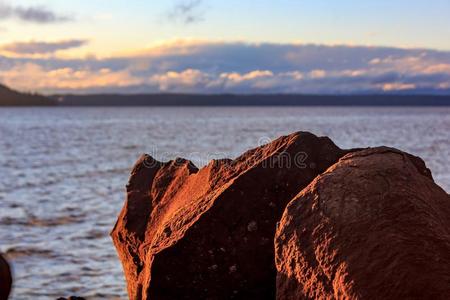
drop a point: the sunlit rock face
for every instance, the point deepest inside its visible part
(186, 233)
(373, 226)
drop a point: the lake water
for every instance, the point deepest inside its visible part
(63, 173)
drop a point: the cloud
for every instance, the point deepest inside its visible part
(187, 11)
(396, 86)
(236, 67)
(34, 47)
(32, 76)
(190, 79)
(33, 14)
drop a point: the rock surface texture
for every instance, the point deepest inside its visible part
(5, 279)
(186, 233)
(373, 226)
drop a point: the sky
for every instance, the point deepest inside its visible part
(212, 46)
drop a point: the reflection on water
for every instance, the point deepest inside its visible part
(63, 172)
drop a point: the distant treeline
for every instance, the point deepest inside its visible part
(252, 100)
(10, 97)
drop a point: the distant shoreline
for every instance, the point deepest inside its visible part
(250, 100)
(223, 100)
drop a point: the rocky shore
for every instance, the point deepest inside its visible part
(298, 218)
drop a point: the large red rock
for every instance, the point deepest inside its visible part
(185, 233)
(373, 226)
(5, 279)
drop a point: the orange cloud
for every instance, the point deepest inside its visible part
(396, 86)
(30, 76)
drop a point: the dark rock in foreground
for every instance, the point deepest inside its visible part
(186, 233)
(373, 226)
(5, 279)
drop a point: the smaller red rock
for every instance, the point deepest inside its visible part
(373, 226)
